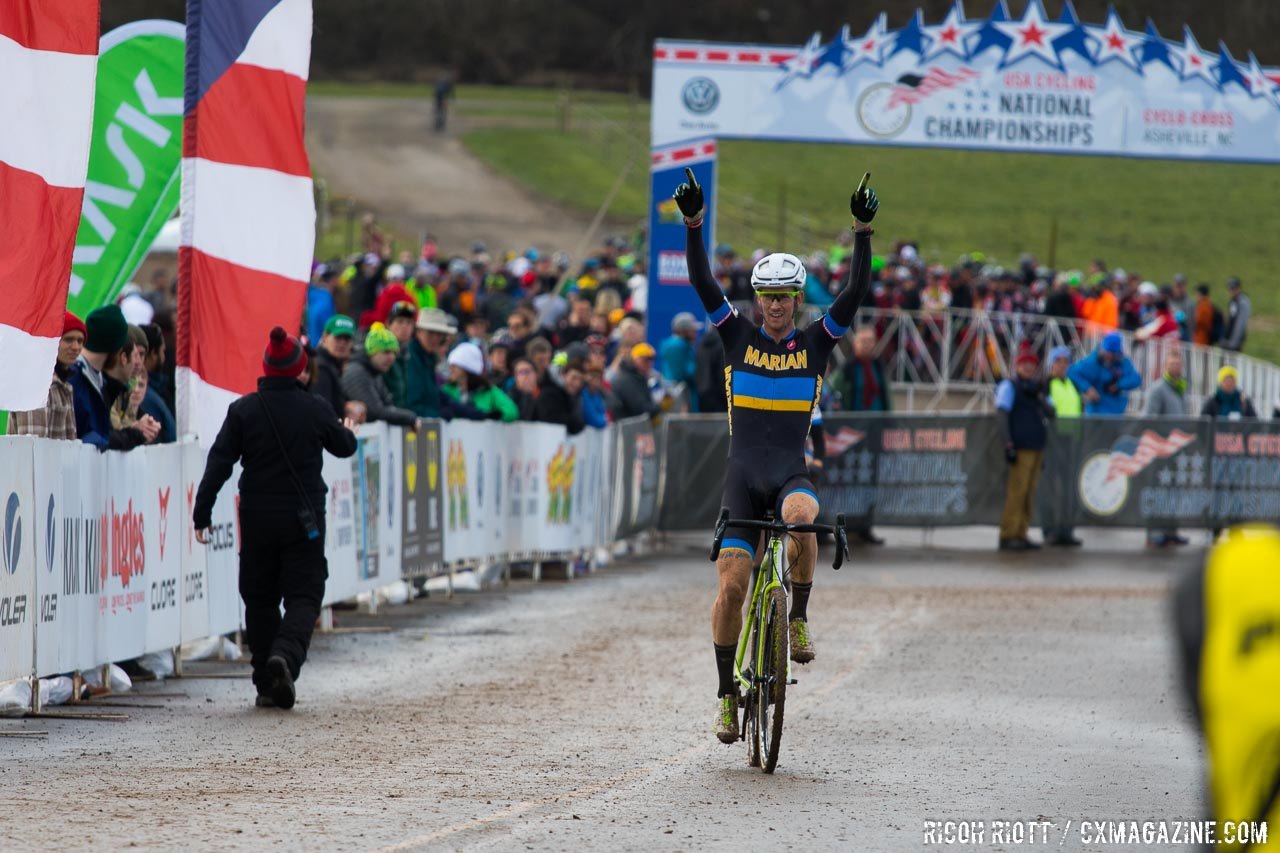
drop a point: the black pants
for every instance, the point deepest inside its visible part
(278, 563)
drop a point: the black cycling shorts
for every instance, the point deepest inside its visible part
(750, 494)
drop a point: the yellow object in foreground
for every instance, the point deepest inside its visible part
(1240, 675)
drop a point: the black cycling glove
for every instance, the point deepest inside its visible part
(688, 196)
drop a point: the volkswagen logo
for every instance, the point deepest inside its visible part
(701, 95)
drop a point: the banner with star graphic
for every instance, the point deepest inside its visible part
(1029, 84)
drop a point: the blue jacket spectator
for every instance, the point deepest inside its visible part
(1105, 377)
(595, 412)
(679, 359)
(320, 305)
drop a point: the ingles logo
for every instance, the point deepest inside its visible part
(12, 534)
(127, 554)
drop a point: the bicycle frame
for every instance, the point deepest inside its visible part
(770, 574)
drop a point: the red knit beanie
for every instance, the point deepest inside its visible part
(72, 323)
(284, 355)
(1026, 353)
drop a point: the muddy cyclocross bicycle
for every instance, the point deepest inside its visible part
(765, 675)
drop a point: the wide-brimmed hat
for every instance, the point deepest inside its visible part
(435, 320)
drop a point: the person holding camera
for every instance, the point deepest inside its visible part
(279, 434)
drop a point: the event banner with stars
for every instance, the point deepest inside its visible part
(1033, 83)
(939, 471)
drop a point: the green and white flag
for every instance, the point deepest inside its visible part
(134, 158)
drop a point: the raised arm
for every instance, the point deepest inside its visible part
(688, 198)
(863, 204)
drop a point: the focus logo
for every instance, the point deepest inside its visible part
(701, 95)
(50, 535)
(12, 533)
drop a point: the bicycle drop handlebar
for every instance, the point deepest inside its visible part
(778, 526)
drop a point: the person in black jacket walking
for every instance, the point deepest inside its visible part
(278, 434)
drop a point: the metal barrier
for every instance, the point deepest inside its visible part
(932, 355)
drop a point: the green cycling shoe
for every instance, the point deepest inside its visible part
(727, 718)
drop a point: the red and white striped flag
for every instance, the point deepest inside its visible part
(48, 62)
(248, 214)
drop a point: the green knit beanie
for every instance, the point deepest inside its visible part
(380, 339)
(105, 330)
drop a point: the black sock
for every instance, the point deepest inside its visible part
(800, 600)
(724, 666)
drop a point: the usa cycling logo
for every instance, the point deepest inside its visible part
(12, 534)
(701, 95)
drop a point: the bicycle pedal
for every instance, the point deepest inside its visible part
(792, 681)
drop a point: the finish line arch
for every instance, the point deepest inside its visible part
(993, 84)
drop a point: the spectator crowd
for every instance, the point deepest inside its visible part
(530, 337)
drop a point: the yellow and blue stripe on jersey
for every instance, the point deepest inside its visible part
(776, 394)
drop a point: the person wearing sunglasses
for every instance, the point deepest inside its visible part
(773, 379)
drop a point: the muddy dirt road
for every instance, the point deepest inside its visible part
(570, 716)
(382, 152)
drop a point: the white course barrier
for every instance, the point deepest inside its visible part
(100, 561)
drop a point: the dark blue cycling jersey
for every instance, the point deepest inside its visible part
(772, 386)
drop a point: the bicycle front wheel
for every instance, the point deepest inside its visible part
(770, 657)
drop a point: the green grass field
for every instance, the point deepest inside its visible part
(1157, 217)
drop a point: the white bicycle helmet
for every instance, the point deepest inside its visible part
(779, 271)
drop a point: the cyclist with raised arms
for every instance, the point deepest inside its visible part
(773, 378)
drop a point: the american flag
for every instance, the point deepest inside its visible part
(912, 88)
(1130, 455)
(842, 439)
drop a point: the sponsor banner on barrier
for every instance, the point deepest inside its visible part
(222, 555)
(933, 471)
(366, 475)
(1178, 472)
(1119, 468)
(429, 497)
(411, 492)
(161, 506)
(467, 520)
(195, 577)
(696, 449)
(638, 465)
(391, 513)
(1244, 475)
(66, 559)
(17, 562)
(122, 601)
(340, 520)
(928, 472)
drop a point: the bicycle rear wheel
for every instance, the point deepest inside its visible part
(770, 658)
